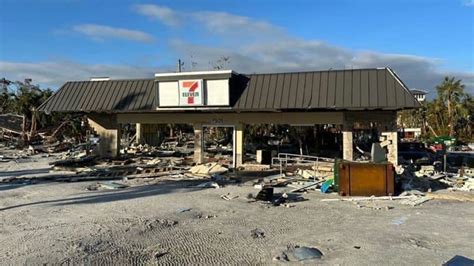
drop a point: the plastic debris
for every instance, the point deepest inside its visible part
(326, 185)
(181, 210)
(112, 185)
(303, 253)
(209, 184)
(459, 261)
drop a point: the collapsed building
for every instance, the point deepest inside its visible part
(351, 99)
(11, 126)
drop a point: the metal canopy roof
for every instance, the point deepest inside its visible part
(356, 89)
(416, 91)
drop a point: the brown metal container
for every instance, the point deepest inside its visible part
(366, 179)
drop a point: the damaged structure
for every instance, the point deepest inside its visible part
(350, 99)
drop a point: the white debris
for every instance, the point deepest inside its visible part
(208, 169)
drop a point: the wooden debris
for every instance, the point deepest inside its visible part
(457, 196)
(228, 197)
(369, 198)
(415, 201)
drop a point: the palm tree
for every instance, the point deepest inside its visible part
(450, 92)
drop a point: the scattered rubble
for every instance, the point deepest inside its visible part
(208, 169)
(266, 194)
(257, 233)
(298, 173)
(228, 197)
(415, 201)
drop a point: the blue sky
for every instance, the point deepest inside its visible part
(53, 41)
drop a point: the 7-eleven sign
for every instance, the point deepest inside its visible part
(190, 92)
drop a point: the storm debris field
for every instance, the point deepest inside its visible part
(209, 215)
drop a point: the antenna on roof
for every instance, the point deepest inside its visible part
(180, 64)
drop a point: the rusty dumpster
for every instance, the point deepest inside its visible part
(366, 179)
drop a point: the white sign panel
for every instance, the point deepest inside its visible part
(190, 92)
(217, 92)
(168, 93)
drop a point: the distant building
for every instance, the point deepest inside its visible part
(409, 133)
(420, 95)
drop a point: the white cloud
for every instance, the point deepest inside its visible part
(161, 13)
(216, 22)
(298, 55)
(469, 3)
(229, 24)
(56, 73)
(258, 46)
(101, 32)
(253, 46)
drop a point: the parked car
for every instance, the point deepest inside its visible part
(415, 152)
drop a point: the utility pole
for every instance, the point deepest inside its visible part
(179, 65)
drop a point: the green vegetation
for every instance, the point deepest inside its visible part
(23, 98)
(451, 113)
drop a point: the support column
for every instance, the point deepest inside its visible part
(108, 129)
(139, 133)
(388, 129)
(198, 144)
(148, 134)
(347, 138)
(347, 145)
(239, 151)
(391, 140)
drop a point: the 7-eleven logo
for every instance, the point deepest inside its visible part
(190, 92)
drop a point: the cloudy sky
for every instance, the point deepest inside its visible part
(52, 41)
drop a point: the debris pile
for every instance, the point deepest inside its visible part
(426, 179)
(208, 169)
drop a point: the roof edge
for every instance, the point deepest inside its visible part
(404, 86)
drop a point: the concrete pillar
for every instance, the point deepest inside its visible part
(239, 151)
(347, 145)
(139, 133)
(347, 138)
(388, 131)
(109, 132)
(391, 140)
(198, 144)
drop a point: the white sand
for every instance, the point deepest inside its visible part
(65, 223)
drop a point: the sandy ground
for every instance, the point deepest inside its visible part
(170, 222)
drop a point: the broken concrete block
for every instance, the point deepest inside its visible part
(385, 143)
(208, 169)
(266, 194)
